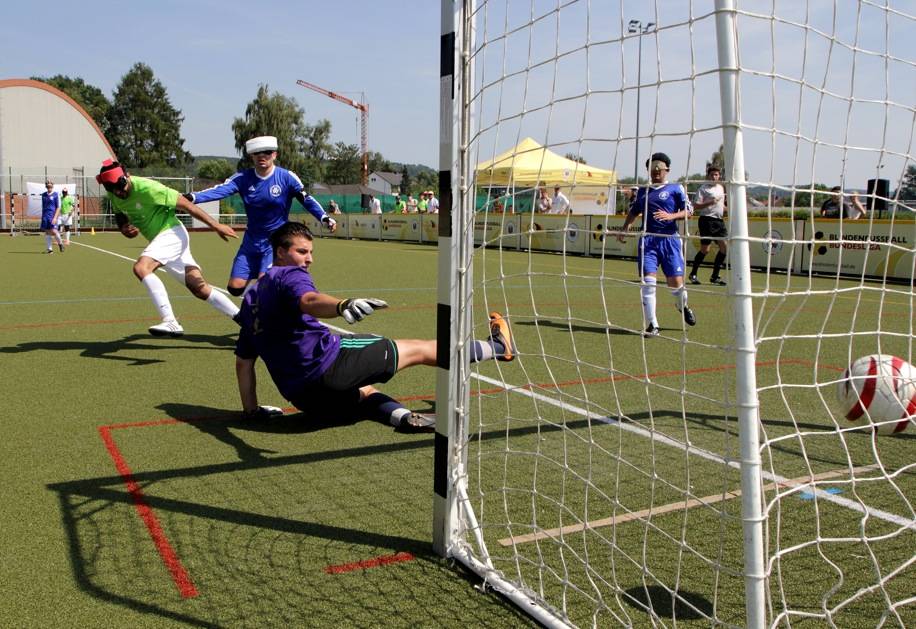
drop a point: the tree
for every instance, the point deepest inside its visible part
(575, 158)
(345, 164)
(405, 180)
(803, 199)
(215, 169)
(89, 97)
(718, 159)
(145, 128)
(908, 185)
(281, 117)
(317, 149)
(378, 163)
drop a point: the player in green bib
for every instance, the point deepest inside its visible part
(65, 219)
(144, 206)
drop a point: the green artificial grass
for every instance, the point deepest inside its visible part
(324, 522)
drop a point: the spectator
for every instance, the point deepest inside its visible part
(400, 206)
(543, 203)
(411, 204)
(432, 205)
(333, 207)
(838, 206)
(560, 202)
(422, 206)
(375, 206)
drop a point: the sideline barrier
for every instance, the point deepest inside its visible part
(877, 248)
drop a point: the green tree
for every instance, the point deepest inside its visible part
(718, 159)
(281, 117)
(908, 185)
(89, 97)
(803, 198)
(405, 180)
(378, 163)
(427, 179)
(344, 165)
(317, 149)
(575, 158)
(145, 128)
(215, 169)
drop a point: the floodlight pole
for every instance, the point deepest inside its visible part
(636, 26)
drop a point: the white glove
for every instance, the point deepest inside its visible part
(329, 222)
(263, 413)
(354, 310)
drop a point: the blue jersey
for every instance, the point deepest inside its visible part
(669, 197)
(296, 347)
(49, 204)
(267, 201)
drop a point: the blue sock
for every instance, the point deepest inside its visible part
(385, 408)
(485, 350)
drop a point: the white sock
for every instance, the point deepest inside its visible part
(48, 241)
(396, 415)
(680, 297)
(160, 297)
(648, 300)
(481, 351)
(222, 303)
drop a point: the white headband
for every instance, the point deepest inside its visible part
(261, 143)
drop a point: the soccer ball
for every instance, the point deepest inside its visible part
(879, 390)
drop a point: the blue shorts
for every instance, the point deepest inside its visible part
(252, 260)
(46, 222)
(661, 250)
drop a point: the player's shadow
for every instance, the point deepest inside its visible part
(141, 343)
(578, 327)
(661, 602)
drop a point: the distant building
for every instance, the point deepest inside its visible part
(385, 183)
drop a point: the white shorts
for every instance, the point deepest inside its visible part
(65, 220)
(172, 249)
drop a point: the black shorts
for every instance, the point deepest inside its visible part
(363, 359)
(712, 228)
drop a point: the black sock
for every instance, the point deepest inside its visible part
(697, 261)
(717, 264)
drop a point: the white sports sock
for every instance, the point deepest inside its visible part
(648, 300)
(680, 297)
(396, 416)
(222, 303)
(481, 351)
(160, 296)
(48, 241)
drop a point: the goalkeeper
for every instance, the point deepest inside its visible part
(316, 370)
(267, 192)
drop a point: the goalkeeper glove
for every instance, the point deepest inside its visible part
(189, 196)
(263, 413)
(354, 310)
(328, 222)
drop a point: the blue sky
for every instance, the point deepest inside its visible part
(211, 55)
(848, 79)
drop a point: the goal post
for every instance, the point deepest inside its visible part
(614, 473)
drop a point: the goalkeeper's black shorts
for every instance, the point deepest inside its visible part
(363, 359)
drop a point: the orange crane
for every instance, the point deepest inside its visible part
(363, 123)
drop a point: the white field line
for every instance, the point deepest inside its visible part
(706, 454)
(801, 481)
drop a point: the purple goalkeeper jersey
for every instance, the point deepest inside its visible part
(296, 347)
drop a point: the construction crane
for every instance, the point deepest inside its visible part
(363, 123)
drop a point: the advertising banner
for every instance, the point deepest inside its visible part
(405, 227)
(497, 230)
(367, 226)
(554, 233)
(429, 227)
(601, 244)
(770, 246)
(871, 248)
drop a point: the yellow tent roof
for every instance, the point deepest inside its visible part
(530, 164)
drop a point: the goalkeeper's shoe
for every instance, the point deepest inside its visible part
(167, 328)
(500, 333)
(689, 317)
(651, 331)
(415, 422)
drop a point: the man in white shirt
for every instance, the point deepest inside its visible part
(710, 205)
(375, 206)
(560, 203)
(433, 205)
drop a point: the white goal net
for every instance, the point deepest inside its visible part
(710, 474)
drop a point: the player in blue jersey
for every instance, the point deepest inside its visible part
(321, 372)
(661, 205)
(267, 192)
(50, 210)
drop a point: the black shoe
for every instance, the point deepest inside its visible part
(237, 317)
(651, 331)
(693, 279)
(689, 317)
(717, 281)
(61, 245)
(415, 422)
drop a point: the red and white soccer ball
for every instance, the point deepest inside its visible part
(879, 390)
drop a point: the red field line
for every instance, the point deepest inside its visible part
(384, 560)
(169, 557)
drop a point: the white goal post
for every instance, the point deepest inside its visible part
(705, 474)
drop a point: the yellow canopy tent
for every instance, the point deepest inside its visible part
(530, 164)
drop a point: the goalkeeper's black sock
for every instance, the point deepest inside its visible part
(717, 264)
(384, 408)
(697, 261)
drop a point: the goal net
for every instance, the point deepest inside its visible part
(710, 474)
